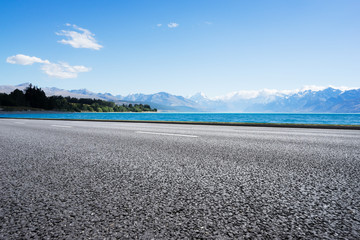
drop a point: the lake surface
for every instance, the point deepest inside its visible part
(346, 119)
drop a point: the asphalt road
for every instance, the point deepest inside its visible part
(98, 180)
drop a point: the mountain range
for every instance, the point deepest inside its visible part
(311, 100)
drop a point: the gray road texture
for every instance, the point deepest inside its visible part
(97, 180)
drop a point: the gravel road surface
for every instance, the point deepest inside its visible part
(99, 180)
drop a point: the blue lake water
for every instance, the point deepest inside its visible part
(347, 119)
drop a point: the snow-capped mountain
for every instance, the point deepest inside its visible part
(208, 104)
(307, 100)
(329, 100)
(165, 101)
(199, 97)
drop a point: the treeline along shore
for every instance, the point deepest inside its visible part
(34, 98)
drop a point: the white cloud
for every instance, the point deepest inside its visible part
(80, 38)
(58, 70)
(24, 60)
(63, 70)
(173, 25)
(208, 23)
(159, 25)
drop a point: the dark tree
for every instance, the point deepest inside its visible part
(36, 97)
(18, 97)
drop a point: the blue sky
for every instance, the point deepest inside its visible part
(215, 47)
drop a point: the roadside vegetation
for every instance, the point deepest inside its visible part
(34, 98)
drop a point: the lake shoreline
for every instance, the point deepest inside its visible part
(241, 124)
(270, 119)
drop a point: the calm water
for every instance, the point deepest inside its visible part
(347, 119)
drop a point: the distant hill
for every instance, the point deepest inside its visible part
(165, 101)
(81, 93)
(162, 101)
(324, 100)
(9, 88)
(34, 98)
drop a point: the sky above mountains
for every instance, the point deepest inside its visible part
(181, 47)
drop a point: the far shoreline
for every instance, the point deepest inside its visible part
(56, 112)
(30, 111)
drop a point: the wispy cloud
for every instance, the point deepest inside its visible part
(63, 70)
(25, 60)
(79, 37)
(208, 23)
(58, 70)
(173, 25)
(159, 25)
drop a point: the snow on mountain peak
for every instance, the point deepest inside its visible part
(251, 94)
(198, 97)
(271, 93)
